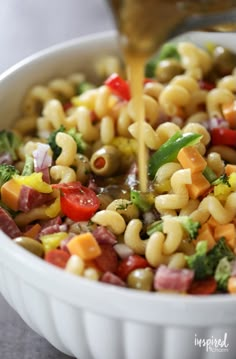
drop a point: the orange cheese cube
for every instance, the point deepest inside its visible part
(205, 234)
(198, 186)
(85, 246)
(230, 169)
(228, 232)
(10, 193)
(212, 222)
(189, 157)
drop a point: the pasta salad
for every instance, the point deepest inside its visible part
(69, 184)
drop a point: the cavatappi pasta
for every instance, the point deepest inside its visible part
(69, 184)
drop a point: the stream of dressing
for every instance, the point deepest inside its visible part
(135, 70)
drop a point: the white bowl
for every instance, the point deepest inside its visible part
(91, 320)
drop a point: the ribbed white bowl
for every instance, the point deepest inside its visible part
(90, 320)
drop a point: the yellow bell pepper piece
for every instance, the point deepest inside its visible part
(232, 181)
(34, 181)
(54, 209)
(221, 191)
(52, 241)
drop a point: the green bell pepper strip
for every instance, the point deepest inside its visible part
(168, 51)
(209, 174)
(168, 152)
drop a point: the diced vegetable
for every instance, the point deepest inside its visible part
(28, 166)
(209, 174)
(9, 143)
(81, 145)
(6, 173)
(83, 87)
(118, 86)
(52, 241)
(85, 246)
(223, 136)
(144, 201)
(222, 273)
(190, 226)
(169, 150)
(34, 181)
(203, 287)
(168, 51)
(203, 263)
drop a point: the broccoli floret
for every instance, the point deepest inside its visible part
(189, 225)
(203, 263)
(9, 143)
(168, 51)
(83, 87)
(219, 251)
(222, 273)
(143, 200)
(199, 261)
(224, 179)
(77, 136)
(6, 173)
(81, 145)
(52, 142)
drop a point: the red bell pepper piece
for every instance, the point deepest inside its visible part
(223, 136)
(118, 86)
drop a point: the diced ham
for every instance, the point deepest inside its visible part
(51, 226)
(7, 224)
(108, 259)
(111, 278)
(30, 198)
(49, 230)
(103, 235)
(173, 279)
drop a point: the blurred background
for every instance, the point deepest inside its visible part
(27, 26)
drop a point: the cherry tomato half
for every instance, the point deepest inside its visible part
(127, 265)
(203, 287)
(57, 257)
(78, 202)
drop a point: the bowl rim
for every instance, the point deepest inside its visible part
(126, 303)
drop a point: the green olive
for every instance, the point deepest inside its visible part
(167, 69)
(224, 60)
(141, 279)
(105, 161)
(30, 245)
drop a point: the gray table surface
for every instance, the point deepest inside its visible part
(27, 26)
